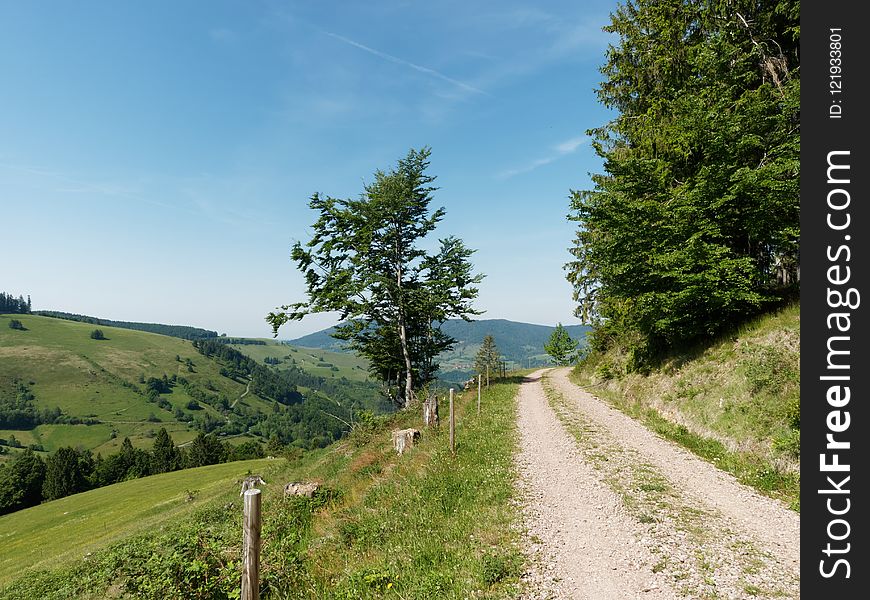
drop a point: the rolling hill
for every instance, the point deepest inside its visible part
(60, 387)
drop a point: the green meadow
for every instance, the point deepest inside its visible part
(311, 360)
(68, 529)
(103, 380)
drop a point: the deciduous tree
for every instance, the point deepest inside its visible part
(694, 223)
(21, 482)
(366, 261)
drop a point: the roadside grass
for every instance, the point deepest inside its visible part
(734, 402)
(426, 524)
(432, 525)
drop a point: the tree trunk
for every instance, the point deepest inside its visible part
(409, 381)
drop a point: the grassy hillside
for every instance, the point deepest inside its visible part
(422, 525)
(735, 401)
(100, 387)
(103, 380)
(66, 530)
(324, 363)
(181, 331)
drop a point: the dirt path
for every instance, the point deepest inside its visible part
(245, 393)
(612, 511)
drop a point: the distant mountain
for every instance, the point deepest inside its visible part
(519, 343)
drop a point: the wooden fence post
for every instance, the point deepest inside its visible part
(479, 377)
(251, 547)
(452, 447)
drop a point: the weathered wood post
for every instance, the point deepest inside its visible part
(479, 377)
(452, 447)
(251, 547)
(430, 410)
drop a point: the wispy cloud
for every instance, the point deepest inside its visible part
(569, 146)
(62, 183)
(559, 150)
(400, 61)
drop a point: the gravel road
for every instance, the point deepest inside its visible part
(612, 511)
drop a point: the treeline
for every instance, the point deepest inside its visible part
(28, 479)
(11, 305)
(241, 341)
(180, 331)
(694, 225)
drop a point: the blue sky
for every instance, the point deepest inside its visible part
(156, 158)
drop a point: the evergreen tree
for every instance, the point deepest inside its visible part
(66, 473)
(21, 482)
(13, 305)
(694, 223)
(205, 450)
(97, 334)
(135, 461)
(165, 456)
(561, 347)
(365, 262)
(247, 451)
(487, 362)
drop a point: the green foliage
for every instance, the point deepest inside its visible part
(694, 223)
(16, 324)
(205, 450)
(97, 334)
(364, 261)
(246, 451)
(165, 456)
(65, 530)
(11, 304)
(561, 347)
(488, 359)
(770, 369)
(21, 482)
(365, 425)
(66, 473)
